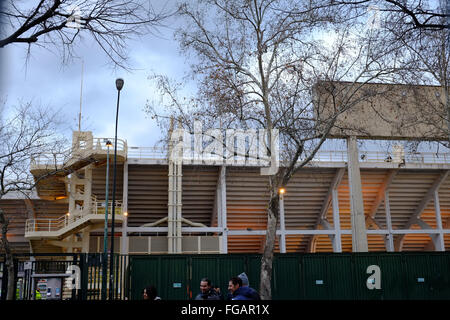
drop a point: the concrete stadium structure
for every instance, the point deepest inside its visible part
(167, 207)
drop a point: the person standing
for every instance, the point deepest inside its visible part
(150, 293)
(206, 292)
(245, 283)
(238, 291)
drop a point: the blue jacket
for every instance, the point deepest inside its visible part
(245, 293)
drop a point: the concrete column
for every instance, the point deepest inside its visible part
(171, 207)
(359, 235)
(179, 188)
(85, 236)
(438, 239)
(337, 242)
(282, 226)
(223, 208)
(390, 237)
(87, 206)
(72, 195)
(124, 240)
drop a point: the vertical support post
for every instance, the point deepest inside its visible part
(223, 208)
(359, 235)
(337, 243)
(85, 240)
(390, 237)
(124, 246)
(439, 244)
(282, 226)
(87, 202)
(170, 217)
(179, 188)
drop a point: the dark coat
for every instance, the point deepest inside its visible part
(245, 293)
(210, 295)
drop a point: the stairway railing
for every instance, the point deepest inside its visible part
(60, 159)
(56, 224)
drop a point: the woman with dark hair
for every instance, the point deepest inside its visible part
(150, 293)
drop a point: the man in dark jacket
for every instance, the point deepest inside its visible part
(245, 283)
(207, 293)
(240, 292)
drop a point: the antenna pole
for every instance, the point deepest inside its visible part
(81, 94)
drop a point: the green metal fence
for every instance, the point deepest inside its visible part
(345, 276)
(405, 276)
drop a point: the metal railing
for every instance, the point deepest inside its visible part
(100, 144)
(49, 225)
(61, 158)
(160, 153)
(147, 152)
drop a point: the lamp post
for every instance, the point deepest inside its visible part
(119, 86)
(281, 192)
(105, 234)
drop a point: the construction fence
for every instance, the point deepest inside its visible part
(324, 276)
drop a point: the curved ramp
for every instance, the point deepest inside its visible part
(50, 170)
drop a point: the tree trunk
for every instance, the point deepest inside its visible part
(9, 262)
(265, 289)
(11, 279)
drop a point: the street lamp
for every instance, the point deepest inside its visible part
(282, 192)
(119, 86)
(105, 234)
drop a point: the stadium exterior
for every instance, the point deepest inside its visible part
(186, 210)
(167, 207)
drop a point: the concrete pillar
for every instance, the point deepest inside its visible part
(337, 242)
(438, 239)
(282, 226)
(223, 208)
(85, 236)
(359, 235)
(171, 207)
(390, 237)
(179, 188)
(87, 206)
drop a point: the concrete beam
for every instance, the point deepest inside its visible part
(437, 241)
(326, 205)
(66, 244)
(381, 195)
(414, 219)
(389, 240)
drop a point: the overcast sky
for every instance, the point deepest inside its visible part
(43, 80)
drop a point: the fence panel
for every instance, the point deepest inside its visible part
(286, 278)
(427, 276)
(219, 269)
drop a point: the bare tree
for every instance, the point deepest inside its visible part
(9, 263)
(426, 54)
(429, 56)
(26, 132)
(414, 14)
(259, 63)
(59, 24)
